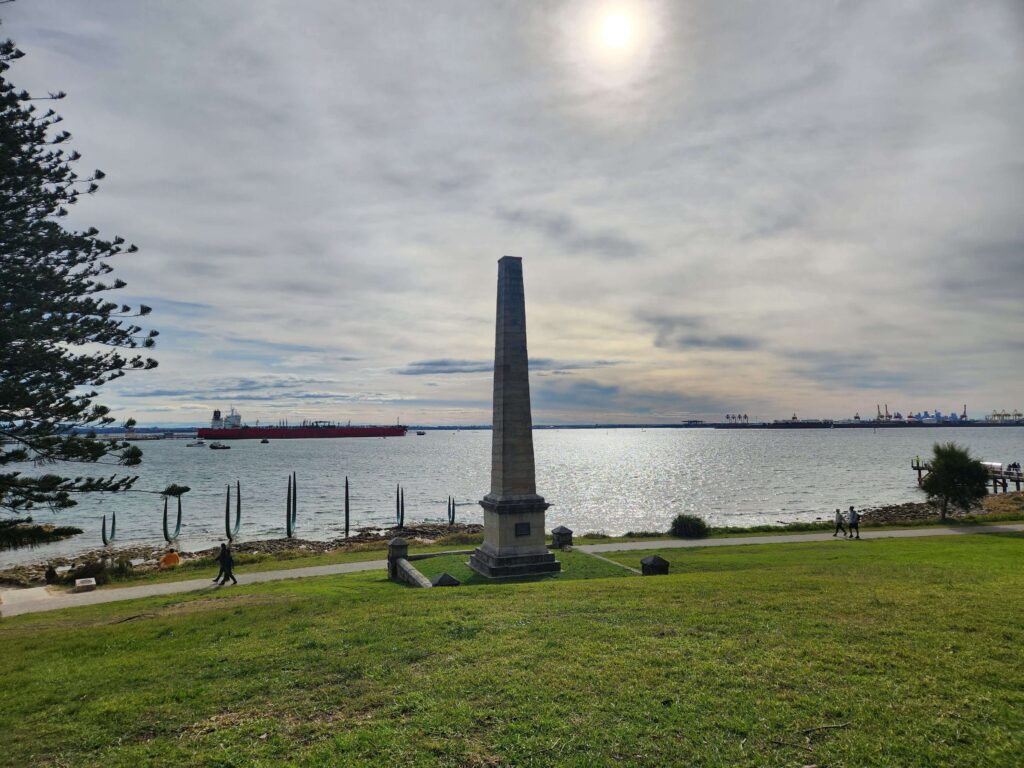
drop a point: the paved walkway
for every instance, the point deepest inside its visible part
(14, 602)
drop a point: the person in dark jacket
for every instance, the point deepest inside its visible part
(227, 564)
(220, 562)
(853, 520)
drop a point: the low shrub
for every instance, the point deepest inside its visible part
(689, 527)
(122, 569)
(643, 534)
(94, 569)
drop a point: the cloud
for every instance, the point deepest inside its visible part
(445, 366)
(565, 233)
(853, 370)
(685, 332)
(575, 397)
(799, 209)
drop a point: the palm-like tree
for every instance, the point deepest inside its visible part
(956, 478)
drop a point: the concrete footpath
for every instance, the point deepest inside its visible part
(17, 601)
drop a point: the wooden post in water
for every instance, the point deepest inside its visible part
(346, 506)
(287, 509)
(915, 464)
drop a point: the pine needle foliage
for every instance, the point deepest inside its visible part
(61, 338)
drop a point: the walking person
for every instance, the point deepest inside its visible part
(227, 564)
(839, 524)
(220, 561)
(854, 522)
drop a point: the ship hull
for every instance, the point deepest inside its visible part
(292, 433)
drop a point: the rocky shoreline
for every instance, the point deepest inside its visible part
(911, 511)
(916, 511)
(145, 557)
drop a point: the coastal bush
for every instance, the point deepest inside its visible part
(689, 527)
(956, 478)
(93, 569)
(122, 570)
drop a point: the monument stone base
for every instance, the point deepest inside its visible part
(513, 539)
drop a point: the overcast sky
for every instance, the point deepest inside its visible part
(722, 207)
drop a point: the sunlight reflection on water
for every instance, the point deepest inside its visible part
(596, 480)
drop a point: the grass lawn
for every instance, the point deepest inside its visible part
(575, 565)
(915, 644)
(1012, 511)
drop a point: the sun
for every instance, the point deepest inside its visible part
(617, 30)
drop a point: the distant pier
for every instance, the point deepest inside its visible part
(999, 476)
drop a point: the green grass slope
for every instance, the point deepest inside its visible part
(914, 647)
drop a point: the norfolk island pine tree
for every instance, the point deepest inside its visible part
(60, 338)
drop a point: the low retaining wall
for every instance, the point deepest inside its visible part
(407, 572)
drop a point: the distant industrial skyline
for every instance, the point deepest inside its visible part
(809, 208)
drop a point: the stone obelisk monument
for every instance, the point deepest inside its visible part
(513, 512)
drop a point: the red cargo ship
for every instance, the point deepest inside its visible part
(230, 428)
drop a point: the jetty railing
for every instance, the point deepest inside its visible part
(1001, 477)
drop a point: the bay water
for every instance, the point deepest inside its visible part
(613, 480)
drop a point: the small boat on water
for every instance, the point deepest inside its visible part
(219, 447)
(194, 443)
(264, 441)
(420, 432)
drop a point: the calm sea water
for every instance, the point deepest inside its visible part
(596, 480)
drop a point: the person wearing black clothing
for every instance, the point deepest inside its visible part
(220, 561)
(853, 520)
(227, 563)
